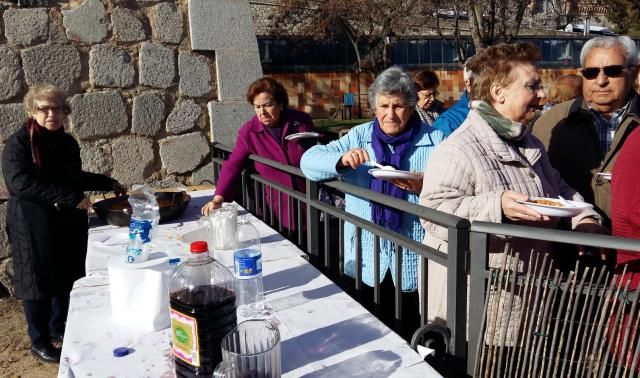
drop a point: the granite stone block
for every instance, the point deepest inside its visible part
(96, 158)
(127, 25)
(203, 176)
(86, 23)
(216, 25)
(183, 117)
(12, 117)
(52, 64)
(110, 67)
(148, 114)
(98, 114)
(183, 153)
(132, 158)
(167, 23)
(26, 26)
(235, 71)
(226, 118)
(195, 75)
(10, 78)
(157, 65)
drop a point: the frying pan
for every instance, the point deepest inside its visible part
(116, 211)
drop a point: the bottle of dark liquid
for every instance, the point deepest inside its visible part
(203, 311)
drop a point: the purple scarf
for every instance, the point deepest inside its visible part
(384, 215)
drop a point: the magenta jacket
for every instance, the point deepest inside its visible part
(254, 139)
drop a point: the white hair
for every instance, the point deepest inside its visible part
(393, 80)
(627, 44)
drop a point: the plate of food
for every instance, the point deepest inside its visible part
(390, 174)
(306, 134)
(605, 175)
(555, 207)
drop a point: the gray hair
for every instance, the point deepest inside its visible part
(624, 42)
(393, 80)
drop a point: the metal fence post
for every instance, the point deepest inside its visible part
(313, 217)
(457, 286)
(477, 287)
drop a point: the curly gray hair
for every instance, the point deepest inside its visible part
(624, 42)
(393, 80)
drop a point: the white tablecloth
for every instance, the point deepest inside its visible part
(324, 332)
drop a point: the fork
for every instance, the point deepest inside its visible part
(565, 202)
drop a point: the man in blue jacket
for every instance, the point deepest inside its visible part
(454, 116)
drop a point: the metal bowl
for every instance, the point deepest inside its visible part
(116, 211)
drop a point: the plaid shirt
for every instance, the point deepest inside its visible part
(606, 128)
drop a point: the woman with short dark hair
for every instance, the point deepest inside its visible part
(265, 135)
(47, 219)
(428, 106)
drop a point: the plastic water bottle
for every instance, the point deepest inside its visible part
(247, 263)
(137, 250)
(145, 212)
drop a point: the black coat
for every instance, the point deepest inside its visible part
(48, 234)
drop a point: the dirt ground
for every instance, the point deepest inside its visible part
(15, 356)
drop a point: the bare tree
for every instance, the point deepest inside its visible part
(626, 15)
(486, 22)
(494, 21)
(367, 24)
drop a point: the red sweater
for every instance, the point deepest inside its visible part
(625, 204)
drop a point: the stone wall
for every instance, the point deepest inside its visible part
(150, 82)
(140, 76)
(113, 59)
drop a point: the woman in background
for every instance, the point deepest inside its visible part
(428, 107)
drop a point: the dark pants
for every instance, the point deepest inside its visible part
(385, 311)
(46, 319)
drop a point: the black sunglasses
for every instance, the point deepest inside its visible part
(591, 73)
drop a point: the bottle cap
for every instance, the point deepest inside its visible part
(199, 247)
(121, 352)
(175, 260)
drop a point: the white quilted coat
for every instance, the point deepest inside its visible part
(466, 176)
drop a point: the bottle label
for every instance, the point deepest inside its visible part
(184, 333)
(133, 254)
(247, 264)
(142, 227)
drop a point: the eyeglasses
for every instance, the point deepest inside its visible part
(429, 94)
(47, 109)
(591, 73)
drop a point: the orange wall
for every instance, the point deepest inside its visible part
(321, 93)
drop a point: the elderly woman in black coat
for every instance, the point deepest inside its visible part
(47, 215)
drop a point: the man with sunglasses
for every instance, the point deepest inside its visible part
(583, 136)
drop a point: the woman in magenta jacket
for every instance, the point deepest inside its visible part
(264, 135)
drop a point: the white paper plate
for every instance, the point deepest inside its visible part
(605, 175)
(556, 211)
(306, 134)
(387, 174)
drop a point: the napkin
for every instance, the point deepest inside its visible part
(139, 292)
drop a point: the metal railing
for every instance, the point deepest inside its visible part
(316, 240)
(465, 260)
